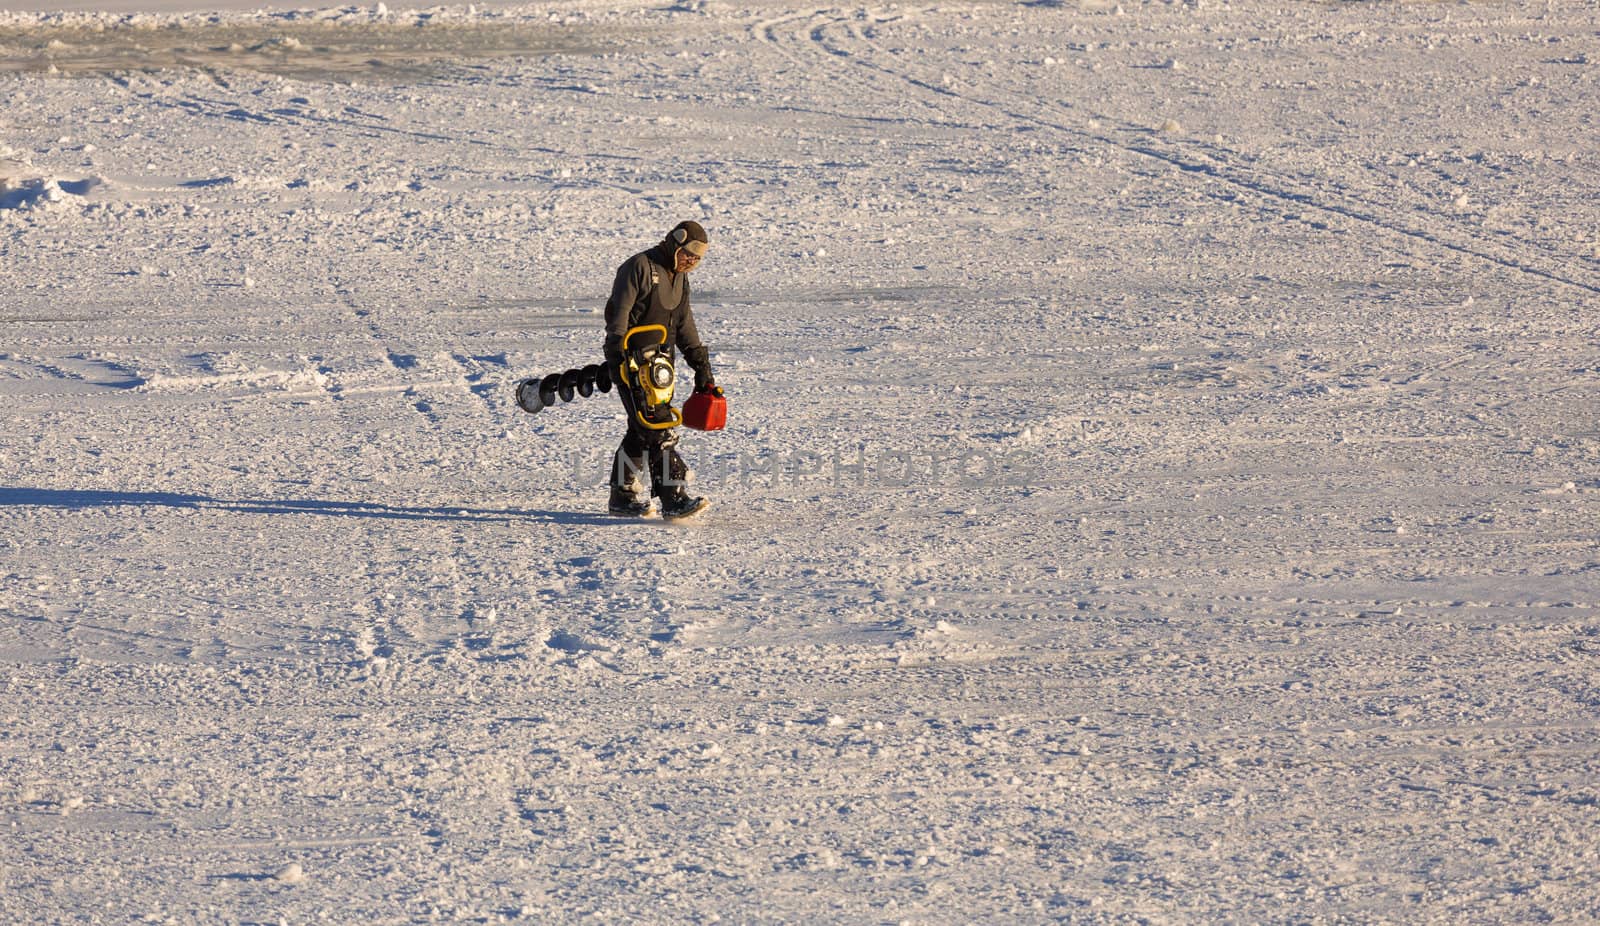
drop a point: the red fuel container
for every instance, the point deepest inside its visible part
(706, 411)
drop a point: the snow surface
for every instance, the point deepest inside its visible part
(1161, 483)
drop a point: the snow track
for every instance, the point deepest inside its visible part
(843, 39)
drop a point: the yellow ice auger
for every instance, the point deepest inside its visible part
(647, 370)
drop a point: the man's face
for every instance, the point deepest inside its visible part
(686, 261)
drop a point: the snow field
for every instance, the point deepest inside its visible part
(1266, 330)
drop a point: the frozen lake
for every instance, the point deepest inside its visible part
(1160, 483)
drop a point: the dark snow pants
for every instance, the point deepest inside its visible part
(647, 449)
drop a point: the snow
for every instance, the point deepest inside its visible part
(1160, 482)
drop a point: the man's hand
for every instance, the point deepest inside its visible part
(709, 386)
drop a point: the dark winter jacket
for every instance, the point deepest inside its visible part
(648, 292)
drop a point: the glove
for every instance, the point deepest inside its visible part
(710, 387)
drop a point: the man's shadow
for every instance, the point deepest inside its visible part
(78, 499)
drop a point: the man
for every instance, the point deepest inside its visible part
(652, 288)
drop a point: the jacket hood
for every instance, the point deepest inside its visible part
(664, 254)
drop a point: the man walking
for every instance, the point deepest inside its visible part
(652, 288)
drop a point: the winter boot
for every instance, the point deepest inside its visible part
(627, 486)
(681, 504)
(628, 504)
(668, 475)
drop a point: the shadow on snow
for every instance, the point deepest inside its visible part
(93, 498)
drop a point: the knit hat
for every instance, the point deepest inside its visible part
(690, 237)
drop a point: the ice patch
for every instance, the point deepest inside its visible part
(336, 44)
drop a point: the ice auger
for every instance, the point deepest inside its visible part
(536, 394)
(647, 373)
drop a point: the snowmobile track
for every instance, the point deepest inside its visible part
(840, 39)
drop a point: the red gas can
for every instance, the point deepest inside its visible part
(706, 411)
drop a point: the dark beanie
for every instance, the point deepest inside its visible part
(689, 236)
